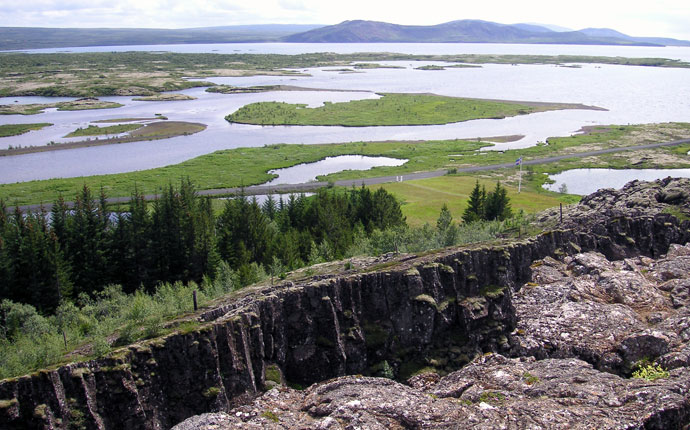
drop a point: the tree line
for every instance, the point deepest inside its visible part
(67, 253)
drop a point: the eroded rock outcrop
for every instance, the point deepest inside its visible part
(493, 392)
(560, 299)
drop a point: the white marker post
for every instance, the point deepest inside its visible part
(519, 161)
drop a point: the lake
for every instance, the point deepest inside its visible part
(673, 52)
(631, 95)
(587, 181)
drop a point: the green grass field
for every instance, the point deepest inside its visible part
(390, 109)
(17, 129)
(422, 199)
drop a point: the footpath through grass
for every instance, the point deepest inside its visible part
(390, 109)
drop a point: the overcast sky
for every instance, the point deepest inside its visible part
(664, 18)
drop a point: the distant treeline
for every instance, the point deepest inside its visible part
(46, 258)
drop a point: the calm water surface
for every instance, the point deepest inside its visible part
(308, 172)
(672, 52)
(587, 181)
(631, 95)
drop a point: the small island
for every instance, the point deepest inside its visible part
(390, 110)
(7, 130)
(135, 133)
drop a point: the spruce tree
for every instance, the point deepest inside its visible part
(475, 205)
(497, 206)
(447, 230)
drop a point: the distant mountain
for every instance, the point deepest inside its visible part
(552, 27)
(39, 37)
(607, 32)
(468, 31)
(535, 28)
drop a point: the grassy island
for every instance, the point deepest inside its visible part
(390, 109)
(93, 130)
(80, 104)
(17, 129)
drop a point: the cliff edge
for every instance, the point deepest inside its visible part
(542, 332)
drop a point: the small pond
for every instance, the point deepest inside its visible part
(308, 172)
(587, 181)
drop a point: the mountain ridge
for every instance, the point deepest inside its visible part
(469, 31)
(353, 31)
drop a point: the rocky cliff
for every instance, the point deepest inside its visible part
(576, 307)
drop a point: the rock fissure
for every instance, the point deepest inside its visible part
(566, 305)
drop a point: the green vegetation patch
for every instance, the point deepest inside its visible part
(93, 130)
(17, 129)
(390, 109)
(230, 89)
(23, 109)
(491, 291)
(5, 404)
(211, 393)
(650, 372)
(424, 198)
(270, 415)
(164, 98)
(81, 104)
(677, 212)
(430, 67)
(87, 104)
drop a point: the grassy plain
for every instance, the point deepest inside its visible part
(249, 166)
(390, 109)
(148, 73)
(17, 129)
(422, 199)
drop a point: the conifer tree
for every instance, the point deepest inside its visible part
(87, 242)
(497, 205)
(447, 230)
(475, 205)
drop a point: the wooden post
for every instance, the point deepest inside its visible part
(194, 296)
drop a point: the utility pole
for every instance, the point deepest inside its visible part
(519, 161)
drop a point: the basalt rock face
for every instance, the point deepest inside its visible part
(442, 310)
